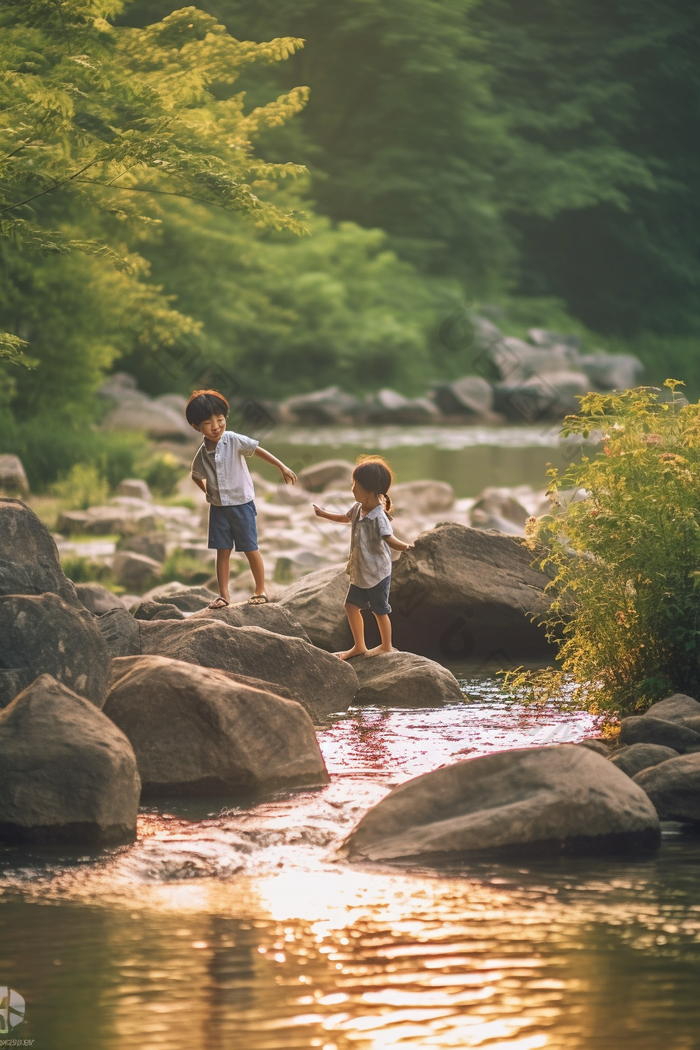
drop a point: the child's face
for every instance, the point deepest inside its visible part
(361, 494)
(212, 428)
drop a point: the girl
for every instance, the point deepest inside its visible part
(372, 540)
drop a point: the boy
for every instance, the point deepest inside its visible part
(220, 470)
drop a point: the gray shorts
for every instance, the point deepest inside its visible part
(233, 528)
(375, 598)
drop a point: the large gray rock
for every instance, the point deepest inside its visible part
(29, 562)
(67, 774)
(104, 521)
(122, 665)
(390, 407)
(42, 634)
(323, 684)
(272, 617)
(135, 571)
(636, 757)
(13, 479)
(404, 680)
(97, 599)
(674, 788)
(645, 729)
(497, 508)
(423, 497)
(331, 473)
(154, 418)
(158, 611)
(136, 487)
(541, 800)
(121, 632)
(190, 600)
(153, 546)
(460, 593)
(470, 396)
(676, 708)
(196, 732)
(611, 371)
(330, 405)
(548, 395)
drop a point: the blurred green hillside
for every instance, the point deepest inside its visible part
(309, 211)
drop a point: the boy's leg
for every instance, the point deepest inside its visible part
(257, 567)
(385, 646)
(357, 626)
(223, 571)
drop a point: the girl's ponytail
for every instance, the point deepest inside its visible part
(386, 500)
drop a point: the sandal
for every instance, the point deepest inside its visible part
(258, 599)
(218, 603)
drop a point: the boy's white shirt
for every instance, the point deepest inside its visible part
(371, 556)
(232, 473)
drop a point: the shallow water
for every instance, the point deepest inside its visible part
(235, 927)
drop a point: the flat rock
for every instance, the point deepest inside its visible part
(323, 684)
(42, 634)
(158, 611)
(195, 731)
(404, 680)
(273, 617)
(636, 757)
(547, 801)
(97, 599)
(645, 729)
(29, 562)
(122, 665)
(190, 599)
(676, 708)
(121, 632)
(67, 773)
(674, 788)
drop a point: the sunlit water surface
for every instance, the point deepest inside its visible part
(236, 927)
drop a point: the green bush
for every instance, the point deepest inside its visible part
(82, 487)
(80, 569)
(162, 472)
(625, 608)
(184, 568)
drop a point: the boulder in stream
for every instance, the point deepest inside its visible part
(646, 729)
(404, 680)
(67, 773)
(273, 617)
(674, 788)
(676, 708)
(42, 634)
(634, 758)
(195, 731)
(546, 801)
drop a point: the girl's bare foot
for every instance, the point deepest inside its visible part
(350, 653)
(379, 649)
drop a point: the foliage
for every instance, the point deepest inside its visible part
(183, 568)
(82, 487)
(161, 471)
(80, 569)
(625, 559)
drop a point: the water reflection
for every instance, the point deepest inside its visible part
(232, 927)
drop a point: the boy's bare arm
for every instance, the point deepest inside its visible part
(397, 545)
(321, 513)
(288, 475)
(200, 483)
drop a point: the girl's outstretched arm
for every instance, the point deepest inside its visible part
(320, 513)
(396, 544)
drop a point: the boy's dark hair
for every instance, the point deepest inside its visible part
(205, 403)
(375, 475)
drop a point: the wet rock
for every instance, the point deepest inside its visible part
(121, 632)
(29, 562)
(645, 729)
(272, 617)
(331, 473)
(323, 684)
(597, 744)
(13, 480)
(676, 708)
(159, 610)
(674, 788)
(67, 773)
(547, 801)
(135, 487)
(471, 396)
(135, 571)
(97, 599)
(42, 634)
(404, 680)
(636, 757)
(196, 732)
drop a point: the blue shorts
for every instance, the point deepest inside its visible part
(375, 598)
(233, 528)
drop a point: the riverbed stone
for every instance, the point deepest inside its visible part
(322, 683)
(29, 562)
(153, 546)
(136, 571)
(330, 473)
(135, 487)
(645, 729)
(13, 480)
(42, 634)
(636, 757)
(404, 680)
(67, 773)
(97, 599)
(471, 396)
(676, 708)
(272, 617)
(423, 497)
(121, 632)
(546, 801)
(674, 788)
(195, 731)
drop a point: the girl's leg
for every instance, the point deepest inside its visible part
(257, 567)
(385, 646)
(223, 570)
(357, 626)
